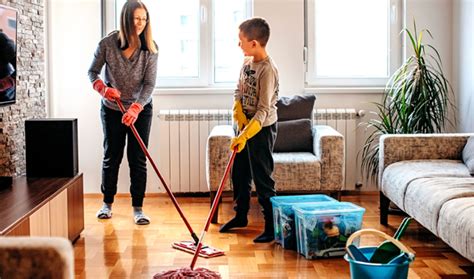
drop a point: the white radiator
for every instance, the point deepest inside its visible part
(182, 146)
(183, 136)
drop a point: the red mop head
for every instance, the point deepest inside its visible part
(186, 272)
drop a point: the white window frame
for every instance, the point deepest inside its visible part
(206, 60)
(395, 50)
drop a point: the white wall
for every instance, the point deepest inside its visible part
(74, 31)
(463, 61)
(74, 27)
(437, 17)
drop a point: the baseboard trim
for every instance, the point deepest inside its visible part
(229, 193)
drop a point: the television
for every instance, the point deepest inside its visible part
(8, 51)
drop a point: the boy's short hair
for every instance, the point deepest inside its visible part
(256, 29)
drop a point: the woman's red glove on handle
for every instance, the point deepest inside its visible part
(131, 115)
(107, 92)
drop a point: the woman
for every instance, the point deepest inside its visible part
(130, 58)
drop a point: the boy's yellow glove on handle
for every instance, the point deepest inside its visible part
(249, 131)
(239, 116)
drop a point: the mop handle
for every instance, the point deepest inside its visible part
(215, 203)
(170, 194)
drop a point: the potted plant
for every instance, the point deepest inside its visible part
(416, 100)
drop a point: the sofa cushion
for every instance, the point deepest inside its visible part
(424, 197)
(294, 136)
(456, 225)
(295, 107)
(296, 171)
(468, 155)
(396, 177)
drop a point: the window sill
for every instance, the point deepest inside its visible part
(344, 90)
(194, 91)
(230, 91)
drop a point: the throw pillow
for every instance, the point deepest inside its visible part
(294, 136)
(296, 107)
(468, 155)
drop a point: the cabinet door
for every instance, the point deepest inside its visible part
(22, 229)
(75, 209)
(39, 222)
(58, 215)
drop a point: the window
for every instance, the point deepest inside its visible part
(351, 43)
(197, 39)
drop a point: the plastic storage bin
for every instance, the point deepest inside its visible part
(283, 216)
(323, 229)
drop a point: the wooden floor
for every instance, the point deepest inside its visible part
(117, 248)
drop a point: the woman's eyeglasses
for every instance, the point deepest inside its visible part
(137, 19)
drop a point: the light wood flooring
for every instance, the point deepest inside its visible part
(117, 248)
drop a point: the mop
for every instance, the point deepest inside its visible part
(188, 246)
(201, 272)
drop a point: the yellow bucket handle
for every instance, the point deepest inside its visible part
(397, 243)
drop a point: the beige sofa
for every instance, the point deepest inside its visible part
(424, 175)
(319, 171)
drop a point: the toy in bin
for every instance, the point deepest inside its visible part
(323, 228)
(283, 216)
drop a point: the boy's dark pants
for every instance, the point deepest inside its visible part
(255, 161)
(115, 136)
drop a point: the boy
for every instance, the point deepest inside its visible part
(255, 115)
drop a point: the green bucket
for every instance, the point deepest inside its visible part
(367, 270)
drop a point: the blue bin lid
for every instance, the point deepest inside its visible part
(327, 208)
(290, 200)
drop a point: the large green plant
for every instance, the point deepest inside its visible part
(416, 100)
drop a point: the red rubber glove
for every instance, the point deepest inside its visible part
(131, 115)
(107, 92)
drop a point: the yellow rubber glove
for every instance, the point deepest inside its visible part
(249, 131)
(239, 116)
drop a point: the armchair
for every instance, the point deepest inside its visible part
(36, 257)
(321, 170)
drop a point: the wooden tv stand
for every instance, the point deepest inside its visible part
(43, 207)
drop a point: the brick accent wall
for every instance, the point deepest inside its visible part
(31, 85)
